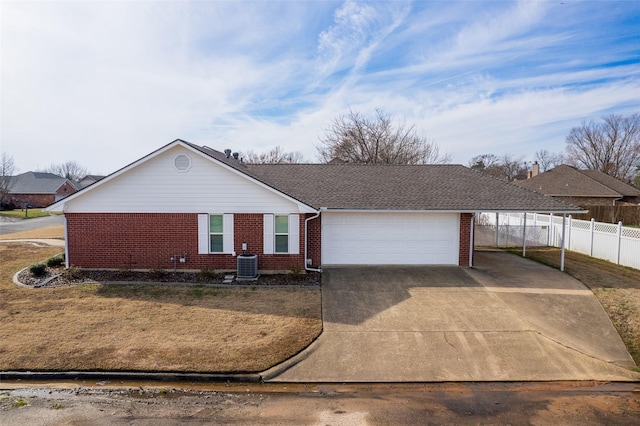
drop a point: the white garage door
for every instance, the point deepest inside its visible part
(390, 238)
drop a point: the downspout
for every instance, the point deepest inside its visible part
(306, 240)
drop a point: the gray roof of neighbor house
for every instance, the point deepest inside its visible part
(394, 187)
(567, 181)
(38, 183)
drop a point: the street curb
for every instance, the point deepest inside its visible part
(130, 375)
(278, 369)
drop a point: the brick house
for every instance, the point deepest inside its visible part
(582, 188)
(207, 207)
(38, 189)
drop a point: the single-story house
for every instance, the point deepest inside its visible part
(206, 207)
(38, 189)
(582, 188)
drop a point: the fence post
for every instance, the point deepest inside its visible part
(619, 241)
(497, 229)
(524, 236)
(564, 217)
(549, 230)
(592, 230)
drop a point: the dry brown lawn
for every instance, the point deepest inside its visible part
(148, 327)
(47, 232)
(617, 288)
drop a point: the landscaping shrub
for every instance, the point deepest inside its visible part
(208, 274)
(38, 269)
(73, 273)
(55, 261)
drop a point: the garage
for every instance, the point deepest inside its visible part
(363, 238)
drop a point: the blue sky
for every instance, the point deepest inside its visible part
(105, 83)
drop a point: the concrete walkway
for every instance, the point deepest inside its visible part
(508, 319)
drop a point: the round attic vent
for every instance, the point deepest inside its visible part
(182, 163)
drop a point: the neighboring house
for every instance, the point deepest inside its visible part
(582, 188)
(38, 189)
(89, 180)
(206, 207)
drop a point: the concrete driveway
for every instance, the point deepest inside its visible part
(508, 319)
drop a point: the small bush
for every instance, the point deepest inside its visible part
(295, 271)
(73, 273)
(157, 273)
(38, 269)
(208, 274)
(55, 261)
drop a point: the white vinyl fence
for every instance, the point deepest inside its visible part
(614, 242)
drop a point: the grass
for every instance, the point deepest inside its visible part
(616, 287)
(150, 327)
(48, 232)
(30, 213)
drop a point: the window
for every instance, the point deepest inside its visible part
(216, 235)
(282, 234)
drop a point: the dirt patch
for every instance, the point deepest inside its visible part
(151, 327)
(616, 287)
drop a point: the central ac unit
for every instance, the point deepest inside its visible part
(247, 267)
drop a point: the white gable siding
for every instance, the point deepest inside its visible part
(157, 186)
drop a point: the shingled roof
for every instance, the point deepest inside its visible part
(567, 181)
(37, 183)
(394, 187)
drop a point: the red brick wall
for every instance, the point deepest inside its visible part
(149, 240)
(314, 240)
(34, 200)
(465, 232)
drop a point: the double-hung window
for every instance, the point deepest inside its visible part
(281, 234)
(216, 239)
(215, 234)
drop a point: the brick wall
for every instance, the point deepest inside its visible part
(465, 232)
(34, 200)
(314, 240)
(149, 240)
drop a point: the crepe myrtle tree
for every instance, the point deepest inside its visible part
(611, 145)
(356, 139)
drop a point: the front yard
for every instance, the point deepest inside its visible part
(148, 327)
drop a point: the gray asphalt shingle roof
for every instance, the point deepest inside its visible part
(394, 187)
(36, 183)
(568, 181)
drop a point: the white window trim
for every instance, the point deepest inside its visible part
(204, 242)
(269, 235)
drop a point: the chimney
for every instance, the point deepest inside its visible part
(535, 169)
(227, 152)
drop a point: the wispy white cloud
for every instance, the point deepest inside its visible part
(104, 83)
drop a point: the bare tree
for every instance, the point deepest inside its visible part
(69, 170)
(354, 138)
(611, 146)
(548, 160)
(507, 167)
(276, 156)
(7, 170)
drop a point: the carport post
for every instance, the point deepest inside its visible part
(564, 219)
(524, 236)
(471, 242)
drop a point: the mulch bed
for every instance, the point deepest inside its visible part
(75, 276)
